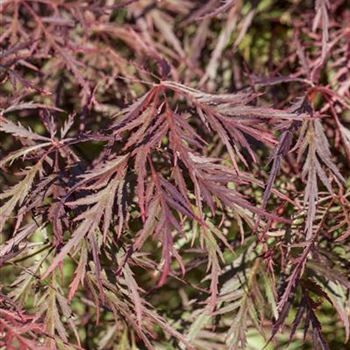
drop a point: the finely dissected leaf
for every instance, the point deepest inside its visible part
(89, 220)
(314, 139)
(23, 153)
(19, 131)
(79, 272)
(105, 169)
(237, 337)
(165, 28)
(340, 303)
(297, 320)
(317, 333)
(28, 105)
(280, 152)
(133, 287)
(332, 274)
(18, 238)
(321, 16)
(223, 39)
(293, 280)
(52, 305)
(20, 329)
(213, 265)
(270, 294)
(16, 194)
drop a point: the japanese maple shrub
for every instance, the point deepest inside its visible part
(174, 174)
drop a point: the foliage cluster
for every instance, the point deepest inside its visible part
(174, 174)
